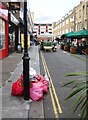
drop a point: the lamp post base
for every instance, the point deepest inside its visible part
(26, 77)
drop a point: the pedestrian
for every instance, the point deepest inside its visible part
(68, 46)
(42, 46)
(80, 48)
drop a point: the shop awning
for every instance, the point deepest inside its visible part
(79, 34)
(66, 34)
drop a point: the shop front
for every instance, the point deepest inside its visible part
(13, 33)
(3, 32)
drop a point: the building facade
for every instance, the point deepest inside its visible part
(81, 16)
(16, 25)
(42, 31)
(64, 25)
(74, 20)
(42, 28)
(3, 31)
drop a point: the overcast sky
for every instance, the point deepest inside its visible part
(47, 11)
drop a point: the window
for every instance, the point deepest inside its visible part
(42, 32)
(71, 29)
(63, 32)
(79, 13)
(72, 19)
(87, 9)
(63, 23)
(2, 34)
(66, 21)
(60, 25)
(50, 29)
(50, 32)
(66, 30)
(60, 32)
(12, 40)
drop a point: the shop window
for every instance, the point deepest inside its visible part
(2, 34)
(12, 39)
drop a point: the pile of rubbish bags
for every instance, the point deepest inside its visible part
(38, 85)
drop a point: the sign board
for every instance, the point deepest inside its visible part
(14, 5)
(13, 19)
(4, 13)
(21, 15)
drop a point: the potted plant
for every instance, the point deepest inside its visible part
(66, 47)
(73, 49)
(85, 47)
(62, 46)
(85, 50)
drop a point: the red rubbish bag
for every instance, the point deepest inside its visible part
(17, 88)
(45, 86)
(38, 77)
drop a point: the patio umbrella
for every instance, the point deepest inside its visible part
(79, 34)
(66, 34)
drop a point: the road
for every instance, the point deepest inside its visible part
(59, 64)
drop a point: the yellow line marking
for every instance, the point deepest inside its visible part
(56, 98)
(52, 98)
(53, 102)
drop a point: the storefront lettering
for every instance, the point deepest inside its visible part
(14, 5)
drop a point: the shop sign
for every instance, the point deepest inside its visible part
(21, 15)
(4, 14)
(13, 19)
(14, 5)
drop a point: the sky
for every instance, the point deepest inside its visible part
(48, 11)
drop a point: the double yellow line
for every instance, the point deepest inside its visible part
(51, 89)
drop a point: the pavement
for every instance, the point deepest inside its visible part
(82, 56)
(79, 56)
(10, 70)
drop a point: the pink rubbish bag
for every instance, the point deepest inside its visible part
(36, 94)
(45, 86)
(36, 91)
(17, 88)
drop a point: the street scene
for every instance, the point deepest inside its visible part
(43, 59)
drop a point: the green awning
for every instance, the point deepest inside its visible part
(79, 34)
(65, 35)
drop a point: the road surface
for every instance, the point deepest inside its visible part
(58, 64)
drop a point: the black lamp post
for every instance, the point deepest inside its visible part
(25, 57)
